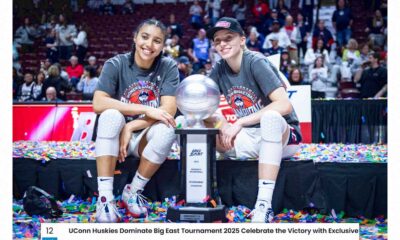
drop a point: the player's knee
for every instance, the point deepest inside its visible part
(162, 132)
(160, 139)
(272, 126)
(110, 124)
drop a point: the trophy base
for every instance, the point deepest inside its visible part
(197, 214)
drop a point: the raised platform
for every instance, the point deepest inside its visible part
(349, 178)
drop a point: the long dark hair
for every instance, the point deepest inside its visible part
(156, 23)
(322, 59)
(323, 45)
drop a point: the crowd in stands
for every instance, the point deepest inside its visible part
(332, 60)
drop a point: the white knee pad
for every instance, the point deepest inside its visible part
(110, 124)
(273, 125)
(159, 142)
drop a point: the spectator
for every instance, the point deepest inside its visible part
(74, 71)
(25, 92)
(351, 61)
(376, 29)
(92, 61)
(25, 35)
(107, 8)
(322, 32)
(286, 63)
(199, 50)
(207, 22)
(51, 95)
(81, 42)
(51, 24)
(239, 10)
(17, 82)
(283, 9)
(44, 66)
(54, 80)
(65, 33)
(252, 42)
(295, 77)
(87, 84)
(365, 51)
(383, 8)
(63, 74)
(342, 20)
(275, 3)
(294, 35)
(319, 78)
(312, 54)
(275, 48)
(128, 7)
(373, 80)
(195, 12)
(283, 39)
(272, 3)
(260, 36)
(37, 89)
(16, 63)
(307, 10)
(51, 46)
(174, 49)
(351, 54)
(208, 67)
(260, 11)
(213, 10)
(175, 27)
(269, 23)
(184, 67)
(305, 30)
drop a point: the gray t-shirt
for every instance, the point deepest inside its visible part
(125, 81)
(247, 91)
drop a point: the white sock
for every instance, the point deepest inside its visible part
(105, 186)
(138, 182)
(265, 192)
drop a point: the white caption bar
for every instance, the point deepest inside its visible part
(239, 231)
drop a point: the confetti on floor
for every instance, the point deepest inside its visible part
(335, 152)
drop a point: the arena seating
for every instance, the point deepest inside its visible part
(110, 35)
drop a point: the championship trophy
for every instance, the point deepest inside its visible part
(197, 98)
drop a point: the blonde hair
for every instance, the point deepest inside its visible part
(352, 44)
(53, 71)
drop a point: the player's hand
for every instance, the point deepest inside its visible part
(229, 133)
(161, 115)
(124, 139)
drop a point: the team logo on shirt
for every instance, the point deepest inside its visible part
(142, 92)
(144, 97)
(243, 101)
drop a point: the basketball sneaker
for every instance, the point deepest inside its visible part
(106, 211)
(135, 203)
(263, 213)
